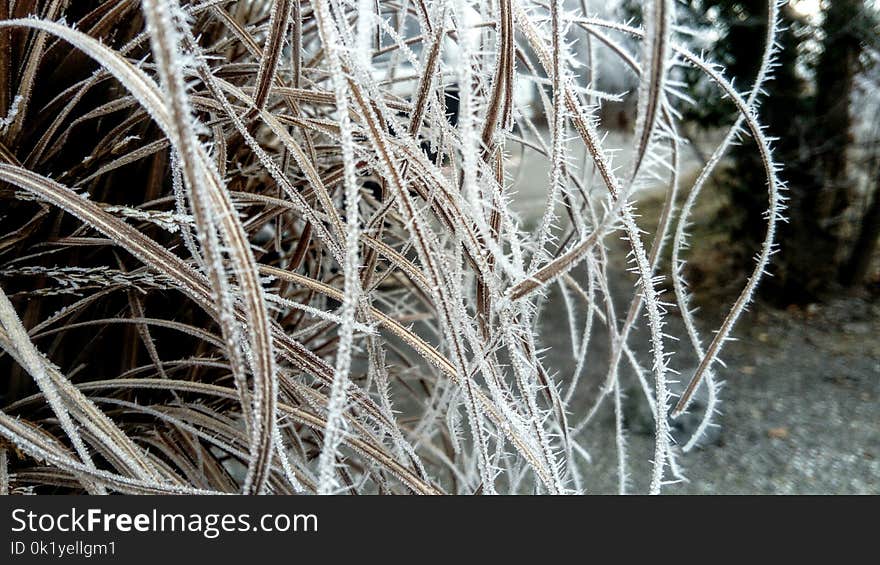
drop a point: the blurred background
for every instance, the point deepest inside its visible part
(800, 410)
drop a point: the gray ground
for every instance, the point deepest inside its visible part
(801, 404)
(800, 410)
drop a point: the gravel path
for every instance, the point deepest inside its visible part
(800, 412)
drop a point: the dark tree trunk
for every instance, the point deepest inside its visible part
(835, 81)
(856, 268)
(815, 158)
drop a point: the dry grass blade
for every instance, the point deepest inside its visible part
(278, 24)
(284, 246)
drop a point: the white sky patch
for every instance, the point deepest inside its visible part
(808, 8)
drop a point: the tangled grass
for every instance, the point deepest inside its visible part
(248, 247)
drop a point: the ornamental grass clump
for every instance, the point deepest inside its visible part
(275, 247)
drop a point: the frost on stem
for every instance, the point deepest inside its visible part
(327, 203)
